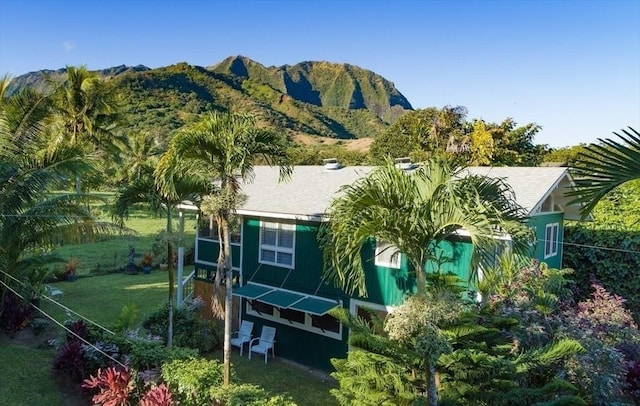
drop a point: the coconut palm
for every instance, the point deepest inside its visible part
(222, 149)
(31, 219)
(413, 212)
(86, 111)
(600, 168)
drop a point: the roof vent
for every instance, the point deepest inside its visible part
(404, 163)
(331, 164)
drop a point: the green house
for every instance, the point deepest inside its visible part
(278, 264)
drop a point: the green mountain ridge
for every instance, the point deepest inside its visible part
(315, 98)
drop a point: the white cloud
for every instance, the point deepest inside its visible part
(69, 45)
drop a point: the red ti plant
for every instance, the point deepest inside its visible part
(115, 385)
(157, 396)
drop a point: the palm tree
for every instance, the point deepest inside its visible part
(134, 151)
(86, 111)
(222, 150)
(413, 212)
(145, 189)
(600, 168)
(31, 219)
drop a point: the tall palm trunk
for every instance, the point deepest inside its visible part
(432, 387)
(228, 302)
(171, 279)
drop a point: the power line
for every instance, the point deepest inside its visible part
(65, 327)
(68, 310)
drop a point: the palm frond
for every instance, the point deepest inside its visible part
(600, 168)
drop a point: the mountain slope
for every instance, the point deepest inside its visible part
(314, 98)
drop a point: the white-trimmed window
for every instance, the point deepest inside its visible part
(277, 244)
(209, 231)
(551, 240)
(325, 325)
(387, 255)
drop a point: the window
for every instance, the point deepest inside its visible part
(260, 308)
(387, 255)
(326, 322)
(325, 325)
(209, 229)
(277, 242)
(551, 240)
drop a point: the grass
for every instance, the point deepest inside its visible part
(26, 376)
(113, 253)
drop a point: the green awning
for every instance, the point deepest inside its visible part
(313, 305)
(252, 291)
(280, 298)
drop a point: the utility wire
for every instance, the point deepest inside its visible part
(65, 327)
(68, 310)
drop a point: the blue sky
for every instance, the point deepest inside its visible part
(571, 66)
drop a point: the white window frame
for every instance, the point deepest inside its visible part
(380, 260)
(275, 248)
(213, 223)
(307, 326)
(551, 245)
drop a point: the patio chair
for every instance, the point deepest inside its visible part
(53, 293)
(243, 336)
(264, 343)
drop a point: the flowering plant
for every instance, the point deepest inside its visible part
(147, 259)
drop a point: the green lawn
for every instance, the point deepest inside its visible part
(26, 377)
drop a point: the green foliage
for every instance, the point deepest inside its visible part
(247, 395)
(189, 330)
(191, 381)
(424, 133)
(602, 167)
(127, 317)
(146, 355)
(370, 379)
(313, 155)
(616, 226)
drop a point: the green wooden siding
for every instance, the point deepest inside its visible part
(539, 223)
(453, 256)
(386, 286)
(301, 346)
(208, 252)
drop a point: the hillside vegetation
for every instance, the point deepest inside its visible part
(313, 98)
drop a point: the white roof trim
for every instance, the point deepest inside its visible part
(284, 216)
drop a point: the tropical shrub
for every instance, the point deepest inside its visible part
(610, 336)
(191, 380)
(70, 360)
(189, 330)
(16, 313)
(146, 355)
(247, 395)
(605, 248)
(157, 396)
(114, 385)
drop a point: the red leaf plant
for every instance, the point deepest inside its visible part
(157, 396)
(115, 385)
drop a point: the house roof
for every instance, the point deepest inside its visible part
(311, 189)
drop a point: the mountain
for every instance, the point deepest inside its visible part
(314, 98)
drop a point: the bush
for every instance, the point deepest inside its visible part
(70, 361)
(16, 313)
(147, 355)
(191, 381)
(188, 329)
(247, 395)
(114, 384)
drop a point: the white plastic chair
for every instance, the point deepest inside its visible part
(243, 335)
(264, 343)
(54, 293)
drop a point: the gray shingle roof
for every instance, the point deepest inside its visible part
(311, 189)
